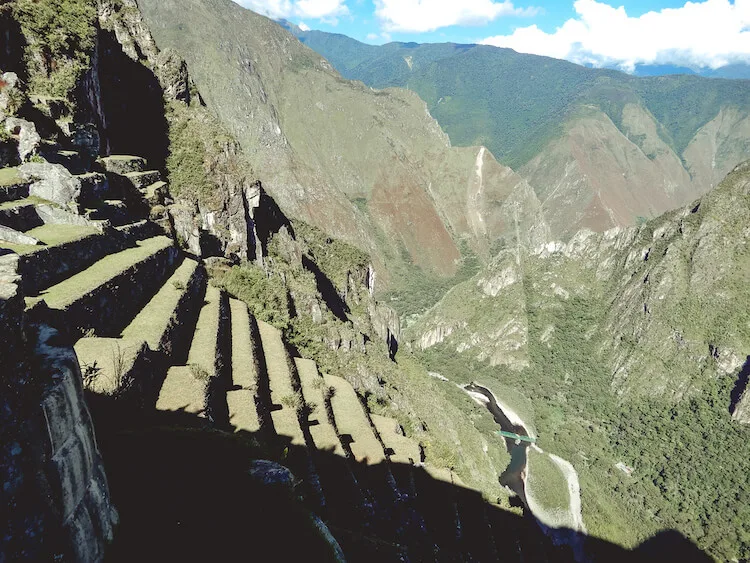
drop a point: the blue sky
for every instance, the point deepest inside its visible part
(703, 33)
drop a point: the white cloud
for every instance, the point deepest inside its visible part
(315, 9)
(429, 15)
(303, 26)
(712, 33)
(372, 36)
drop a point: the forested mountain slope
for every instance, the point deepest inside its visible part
(599, 147)
(630, 347)
(372, 167)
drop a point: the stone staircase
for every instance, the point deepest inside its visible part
(148, 329)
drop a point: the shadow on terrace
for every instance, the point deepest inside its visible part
(183, 492)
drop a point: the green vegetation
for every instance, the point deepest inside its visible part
(9, 176)
(547, 482)
(335, 258)
(690, 459)
(265, 295)
(201, 155)
(417, 290)
(515, 103)
(60, 37)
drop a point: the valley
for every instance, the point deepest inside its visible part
(266, 303)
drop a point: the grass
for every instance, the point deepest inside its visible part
(322, 433)
(279, 379)
(350, 419)
(31, 200)
(10, 177)
(153, 320)
(58, 234)
(243, 363)
(75, 287)
(404, 448)
(105, 361)
(182, 390)
(203, 348)
(52, 235)
(546, 482)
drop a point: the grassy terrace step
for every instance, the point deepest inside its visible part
(52, 235)
(313, 387)
(404, 450)
(184, 385)
(93, 298)
(183, 390)
(155, 193)
(21, 214)
(285, 400)
(155, 320)
(141, 180)
(12, 185)
(243, 414)
(120, 361)
(351, 420)
(121, 164)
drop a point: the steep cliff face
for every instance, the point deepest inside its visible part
(371, 167)
(667, 290)
(55, 493)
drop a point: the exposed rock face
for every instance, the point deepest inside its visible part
(650, 284)
(52, 182)
(485, 316)
(172, 72)
(54, 485)
(28, 138)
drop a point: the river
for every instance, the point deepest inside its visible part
(514, 474)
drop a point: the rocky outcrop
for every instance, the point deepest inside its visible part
(54, 485)
(52, 182)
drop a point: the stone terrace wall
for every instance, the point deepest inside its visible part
(54, 498)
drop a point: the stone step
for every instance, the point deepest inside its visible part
(241, 399)
(94, 187)
(285, 401)
(313, 391)
(21, 214)
(12, 185)
(75, 162)
(399, 448)
(352, 423)
(121, 164)
(113, 210)
(88, 300)
(191, 387)
(155, 194)
(141, 180)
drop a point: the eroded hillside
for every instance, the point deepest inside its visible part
(371, 167)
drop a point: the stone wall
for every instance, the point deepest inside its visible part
(54, 498)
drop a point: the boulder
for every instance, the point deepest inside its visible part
(8, 82)
(15, 237)
(270, 474)
(172, 73)
(52, 182)
(28, 138)
(122, 164)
